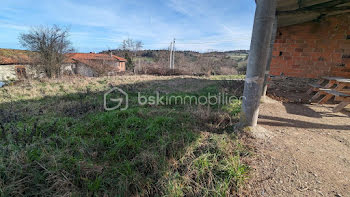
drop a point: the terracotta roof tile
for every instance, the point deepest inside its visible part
(93, 56)
(12, 56)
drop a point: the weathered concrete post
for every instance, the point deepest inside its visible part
(262, 30)
(269, 57)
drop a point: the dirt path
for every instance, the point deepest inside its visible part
(306, 153)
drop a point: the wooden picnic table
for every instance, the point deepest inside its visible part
(340, 91)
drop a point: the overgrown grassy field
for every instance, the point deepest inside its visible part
(57, 139)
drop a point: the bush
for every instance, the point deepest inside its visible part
(242, 67)
(161, 71)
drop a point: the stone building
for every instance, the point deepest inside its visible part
(19, 64)
(15, 64)
(92, 64)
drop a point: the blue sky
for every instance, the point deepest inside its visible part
(199, 25)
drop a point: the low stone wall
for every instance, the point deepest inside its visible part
(9, 73)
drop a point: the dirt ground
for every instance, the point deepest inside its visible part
(301, 150)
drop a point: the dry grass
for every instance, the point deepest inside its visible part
(56, 139)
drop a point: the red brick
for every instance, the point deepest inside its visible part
(318, 50)
(306, 54)
(313, 49)
(280, 41)
(275, 53)
(308, 50)
(287, 57)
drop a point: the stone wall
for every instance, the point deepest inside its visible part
(68, 69)
(9, 73)
(84, 70)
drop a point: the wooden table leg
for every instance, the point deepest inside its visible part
(341, 106)
(316, 96)
(325, 99)
(319, 93)
(330, 84)
(312, 89)
(340, 87)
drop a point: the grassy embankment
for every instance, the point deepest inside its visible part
(56, 139)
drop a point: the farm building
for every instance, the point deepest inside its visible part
(19, 64)
(15, 64)
(92, 64)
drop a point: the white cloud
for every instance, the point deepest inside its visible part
(8, 25)
(199, 26)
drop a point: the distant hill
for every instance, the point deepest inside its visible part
(228, 62)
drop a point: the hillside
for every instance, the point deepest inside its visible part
(189, 62)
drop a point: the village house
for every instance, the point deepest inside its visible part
(19, 64)
(15, 64)
(93, 64)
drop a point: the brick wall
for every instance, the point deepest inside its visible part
(313, 49)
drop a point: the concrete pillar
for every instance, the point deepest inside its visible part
(269, 58)
(262, 30)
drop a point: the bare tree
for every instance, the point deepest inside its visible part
(131, 45)
(138, 45)
(51, 43)
(127, 45)
(130, 48)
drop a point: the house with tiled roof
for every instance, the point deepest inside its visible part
(92, 64)
(17, 64)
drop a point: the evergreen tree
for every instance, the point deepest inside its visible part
(129, 63)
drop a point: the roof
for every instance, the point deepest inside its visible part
(291, 12)
(14, 56)
(93, 56)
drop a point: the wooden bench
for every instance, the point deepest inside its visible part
(339, 96)
(331, 82)
(314, 88)
(339, 83)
